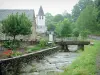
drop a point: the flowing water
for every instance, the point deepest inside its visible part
(51, 65)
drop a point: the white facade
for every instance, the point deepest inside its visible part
(40, 22)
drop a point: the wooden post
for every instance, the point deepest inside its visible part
(81, 47)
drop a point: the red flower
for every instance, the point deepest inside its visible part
(8, 52)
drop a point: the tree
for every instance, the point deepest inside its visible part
(75, 12)
(67, 15)
(87, 19)
(63, 28)
(58, 18)
(66, 29)
(48, 18)
(79, 7)
(49, 22)
(58, 27)
(97, 5)
(51, 27)
(16, 24)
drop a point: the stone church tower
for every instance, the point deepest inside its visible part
(40, 21)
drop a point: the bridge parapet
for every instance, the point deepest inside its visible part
(64, 44)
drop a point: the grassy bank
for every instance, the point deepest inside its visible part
(86, 63)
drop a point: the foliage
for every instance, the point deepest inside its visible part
(79, 7)
(34, 48)
(87, 19)
(49, 21)
(7, 53)
(16, 53)
(58, 27)
(85, 64)
(11, 44)
(58, 18)
(67, 16)
(48, 18)
(51, 27)
(84, 34)
(75, 32)
(16, 24)
(66, 29)
(97, 6)
(63, 28)
(42, 43)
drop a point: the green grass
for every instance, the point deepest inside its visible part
(86, 63)
(33, 48)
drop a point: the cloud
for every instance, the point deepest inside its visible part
(52, 6)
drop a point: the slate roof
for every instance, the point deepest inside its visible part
(5, 12)
(41, 12)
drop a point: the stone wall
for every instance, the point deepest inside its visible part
(13, 66)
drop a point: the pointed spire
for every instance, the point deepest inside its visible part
(41, 12)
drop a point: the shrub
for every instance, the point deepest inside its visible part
(11, 44)
(16, 53)
(37, 47)
(42, 43)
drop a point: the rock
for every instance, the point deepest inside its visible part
(50, 65)
(27, 69)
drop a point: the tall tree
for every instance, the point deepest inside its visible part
(63, 28)
(97, 5)
(48, 18)
(16, 24)
(87, 19)
(67, 15)
(79, 7)
(66, 29)
(58, 18)
(49, 22)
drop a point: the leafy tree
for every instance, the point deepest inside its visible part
(79, 7)
(58, 18)
(16, 24)
(76, 32)
(75, 12)
(84, 34)
(58, 27)
(51, 27)
(67, 15)
(49, 22)
(97, 5)
(87, 19)
(48, 18)
(66, 29)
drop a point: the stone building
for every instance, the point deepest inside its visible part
(38, 22)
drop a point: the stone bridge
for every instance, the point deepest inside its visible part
(64, 44)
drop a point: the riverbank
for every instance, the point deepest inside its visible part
(86, 63)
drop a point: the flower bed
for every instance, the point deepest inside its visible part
(14, 64)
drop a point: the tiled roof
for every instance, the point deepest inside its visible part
(5, 12)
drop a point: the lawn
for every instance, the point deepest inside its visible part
(86, 63)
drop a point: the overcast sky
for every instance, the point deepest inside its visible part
(52, 6)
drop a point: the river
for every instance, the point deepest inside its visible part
(51, 65)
